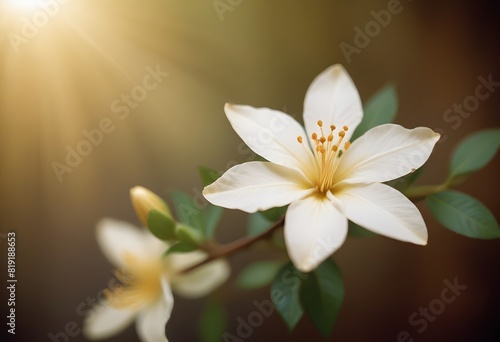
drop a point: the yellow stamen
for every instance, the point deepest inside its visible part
(326, 155)
(299, 139)
(140, 284)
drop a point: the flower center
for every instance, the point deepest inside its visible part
(140, 283)
(327, 151)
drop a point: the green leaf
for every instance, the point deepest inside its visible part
(161, 225)
(258, 274)
(210, 217)
(463, 215)
(181, 247)
(274, 214)
(475, 152)
(257, 224)
(285, 294)
(213, 322)
(205, 219)
(207, 175)
(186, 210)
(357, 231)
(188, 235)
(322, 294)
(380, 109)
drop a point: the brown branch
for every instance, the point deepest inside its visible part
(230, 248)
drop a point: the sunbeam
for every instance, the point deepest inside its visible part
(63, 62)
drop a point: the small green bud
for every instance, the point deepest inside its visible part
(144, 200)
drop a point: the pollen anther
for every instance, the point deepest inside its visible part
(329, 148)
(299, 139)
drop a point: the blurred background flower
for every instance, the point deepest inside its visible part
(97, 96)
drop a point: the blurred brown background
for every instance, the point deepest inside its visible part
(64, 79)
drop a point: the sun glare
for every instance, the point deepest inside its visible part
(62, 64)
(25, 4)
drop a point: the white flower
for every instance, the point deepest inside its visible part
(325, 179)
(146, 280)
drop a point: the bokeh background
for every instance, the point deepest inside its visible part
(64, 78)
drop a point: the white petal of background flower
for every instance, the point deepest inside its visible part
(257, 186)
(151, 305)
(152, 320)
(104, 321)
(384, 210)
(333, 98)
(200, 281)
(118, 238)
(386, 152)
(314, 229)
(271, 134)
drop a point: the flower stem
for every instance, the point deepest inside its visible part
(418, 193)
(227, 249)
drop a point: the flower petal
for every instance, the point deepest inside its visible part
(384, 210)
(117, 238)
(201, 281)
(257, 186)
(332, 98)
(314, 229)
(152, 320)
(386, 152)
(104, 321)
(271, 134)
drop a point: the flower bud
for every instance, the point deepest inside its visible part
(144, 200)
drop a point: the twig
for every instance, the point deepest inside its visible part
(230, 248)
